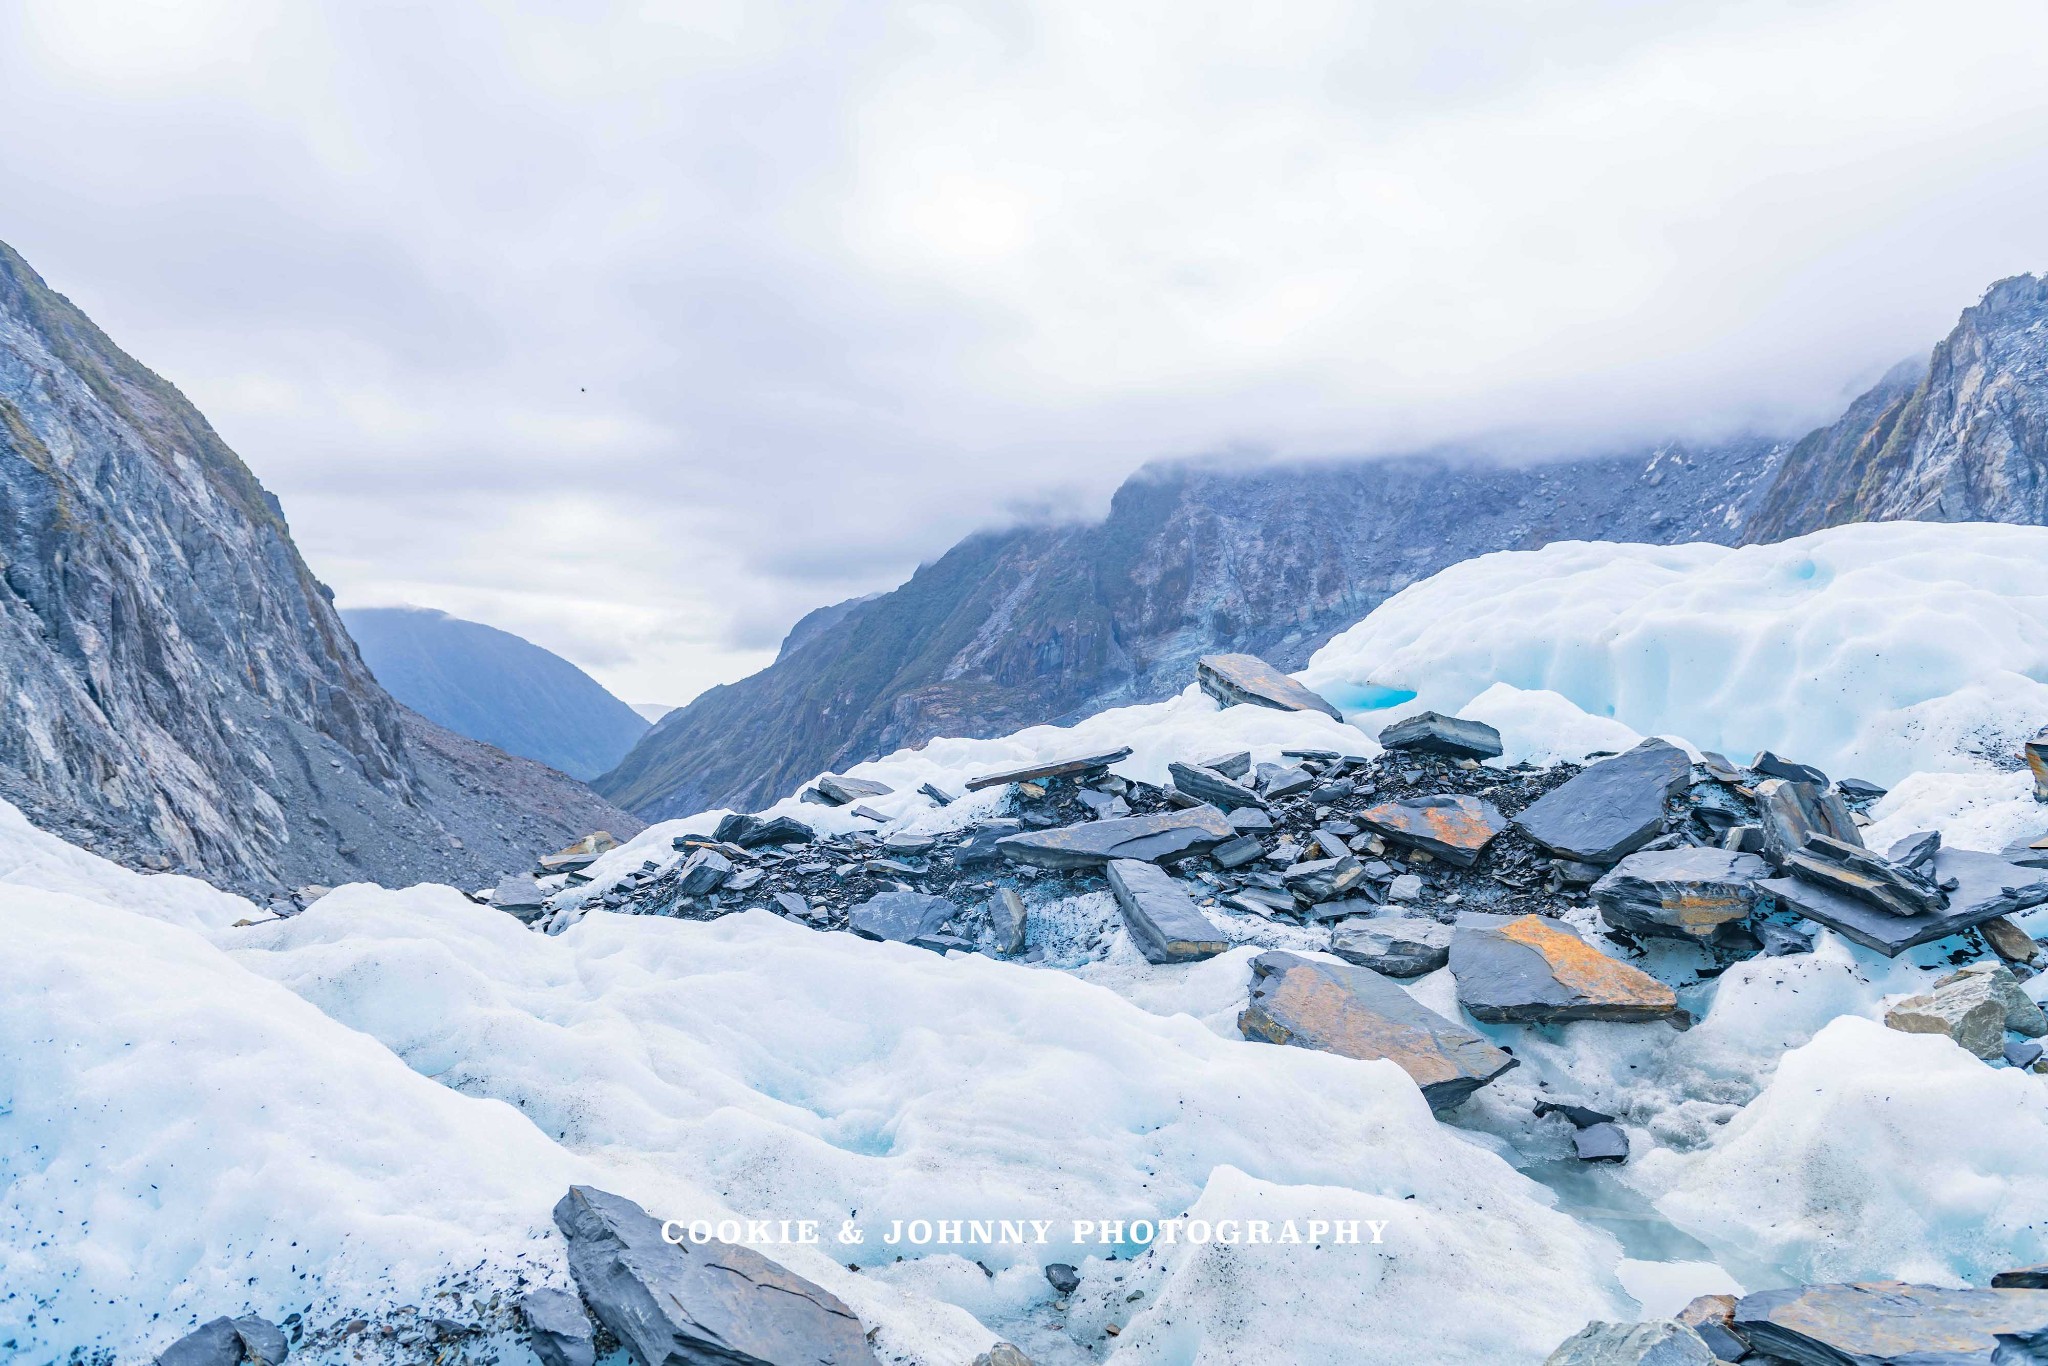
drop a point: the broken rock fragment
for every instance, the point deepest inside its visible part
(673, 1304)
(1662, 1342)
(1236, 679)
(1399, 946)
(1455, 828)
(1793, 813)
(1357, 1013)
(901, 917)
(1531, 969)
(1163, 919)
(1167, 835)
(1611, 808)
(832, 790)
(1683, 893)
(247, 1341)
(1434, 733)
(1075, 766)
(1207, 785)
(1854, 871)
(558, 1328)
(1978, 886)
(1891, 1321)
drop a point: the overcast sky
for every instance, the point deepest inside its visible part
(641, 330)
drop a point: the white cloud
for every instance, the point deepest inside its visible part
(641, 330)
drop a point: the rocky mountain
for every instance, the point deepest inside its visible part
(493, 686)
(181, 693)
(1959, 437)
(1039, 624)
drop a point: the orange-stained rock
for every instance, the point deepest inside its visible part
(1456, 829)
(1537, 970)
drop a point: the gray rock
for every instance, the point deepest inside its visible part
(1985, 886)
(939, 795)
(1711, 1317)
(1073, 767)
(1663, 1342)
(1858, 790)
(1251, 820)
(1611, 808)
(2008, 940)
(1793, 813)
(247, 1341)
(745, 880)
(1238, 852)
(1406, 887)
(1163, 919)
(1433, 733)
(1167, 835)
(1744, 839)
(1003, 1354)
(1236, 679)
(1206, 785)
(833, 790)
(1580, 1116)
(794, 904)
(1893, 1322)
(2035, 752)
(1062, 1277)
(1277, 781)
(902, 842)
(2022, 1053)
(520, 896)
(900, 917)
(1357, 1013)
(1324, 879)
(1686, 893)
(1782, 940)
(1854, 871)
(783, 830)
(1400, 946)
(703, 873)
(1234, 766)
(1770, 765)
(698, 1304)
(1007, 919)
(1532, 969)
(2022, 1016)
(1601, 1143)
(1454, 828)
(2021, 1278)
(558, 1328)
(1915, 851)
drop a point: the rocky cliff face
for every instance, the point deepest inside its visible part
(1044, 624)
(180, 692)
(1961, 437)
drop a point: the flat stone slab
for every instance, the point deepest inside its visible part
(1530, 969)
(1794, 812)
(1454, 828)
(1399, 946)
(1235, 679)
(1986, 886)
(900, 917)
(1357, 1013)
(248, 1341)
(1679, 893)
(1891, 1321)
(1207, 785)
(1163, 919)
(679, 1303)
(520, 896)
(831, 790)
(1051, 768)
(1661, 1342)
(1166, 835)
(1612, 808)
(1432, 732)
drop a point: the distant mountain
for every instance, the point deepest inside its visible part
(494, 686)
(1959, 437)
(1041, 624)
(180, 691)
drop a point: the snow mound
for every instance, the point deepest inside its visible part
(1873, 650)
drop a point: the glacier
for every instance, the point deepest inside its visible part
(374, 1104)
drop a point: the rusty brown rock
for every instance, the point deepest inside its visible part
(1356, 1013)
(2008, 940)
(1456, 829)
(1235, 679)
(1532, 969)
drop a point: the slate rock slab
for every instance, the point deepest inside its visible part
(1235, 679)
(1357, 1013)
(2021, 1278)
(1771, 766)
(1007, 921)
(1710, 1316)
(1893, 1322)
(1434, 733)
(248, 1341)
(1986, 886)
(1163, 919)
(900, 917)
(520, 896)
(1611, 808)
(1686, 893)
(1454, 828)
(1793, 813)
(836, 791)
(558, 1328)
(1166, 835)
(1601, 1143)
(1661, 1342)
(1854, 871)
(712, 1303)
(1207, 785)
(1532, 969)
(1400, 946)
(1051, 768)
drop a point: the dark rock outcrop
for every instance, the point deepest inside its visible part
(182, 693)
(1611, 808)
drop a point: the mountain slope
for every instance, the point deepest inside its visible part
(1039, 624)
(494, 686)
(1962, 437)
(180, 690)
